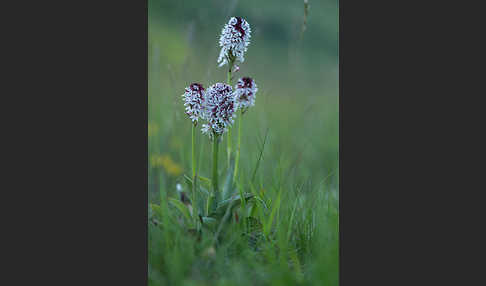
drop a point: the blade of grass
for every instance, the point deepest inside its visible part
(289, 231)
(228, 184)
(269, 222)
(260, 156)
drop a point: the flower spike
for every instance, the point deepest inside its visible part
(219, 109)
(234, 41)
(193, 101)
(245, 91)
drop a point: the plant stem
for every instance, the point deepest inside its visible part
(193, 138)
(214, 180)
(215, 165)
(239, 143)
(228, 138)
(194, 179)
(228, 81)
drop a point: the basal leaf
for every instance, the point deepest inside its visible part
(182, 209)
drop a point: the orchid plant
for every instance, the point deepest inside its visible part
(217, 107)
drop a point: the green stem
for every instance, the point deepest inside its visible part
(239, 143)
(193, 138)
(228, 81)
(228, 138)
(215, 165)
(214, 180)
(194, 179)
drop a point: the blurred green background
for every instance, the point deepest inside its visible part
(297, 104)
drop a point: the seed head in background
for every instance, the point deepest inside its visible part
(245, 91)
(219, 109)
(193, 101)
(234, 40)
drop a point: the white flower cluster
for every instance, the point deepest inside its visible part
(217, 105)
(219, 109)
(245, 92)
(235, 38)
(193, 101)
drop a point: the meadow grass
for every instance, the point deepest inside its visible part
(295, 171)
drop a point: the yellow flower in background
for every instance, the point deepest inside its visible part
(152, 129)
(166, 162)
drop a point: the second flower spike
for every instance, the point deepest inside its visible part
(245, 92)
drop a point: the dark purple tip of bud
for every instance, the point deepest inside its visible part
(224, 88)
(238, 27)
(247, 82)
(196, 87)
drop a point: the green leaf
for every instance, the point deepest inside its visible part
(204, 191)
(201, 200)
(204, 179)
(228, 184)
(209, 221)
(188, 181)
(236, 200)
(269, 222)
(182, 209)
(253, 210)
(296, 265)
(291, 220)
(156, 208)
(243, 205)
(258, 199)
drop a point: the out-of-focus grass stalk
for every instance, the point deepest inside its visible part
(237, 159)
(164, 205)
